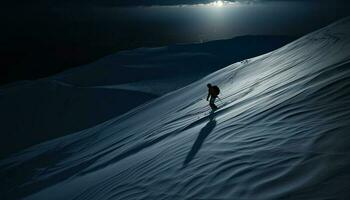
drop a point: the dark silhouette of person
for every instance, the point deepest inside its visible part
(213, 92)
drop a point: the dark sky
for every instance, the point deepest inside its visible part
(43, 37)
(109, 3)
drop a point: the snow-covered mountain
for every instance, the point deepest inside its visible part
(80, 98)
(164, 69)
(281, 132)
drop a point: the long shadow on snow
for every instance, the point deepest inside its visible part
(203, 134)
(145, 144)
(16, 192)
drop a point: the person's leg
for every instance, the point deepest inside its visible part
(212, 102)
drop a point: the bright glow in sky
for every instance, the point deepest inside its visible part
(218, 3)
(214, 4)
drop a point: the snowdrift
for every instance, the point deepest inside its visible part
(281, 132)
(80, 98)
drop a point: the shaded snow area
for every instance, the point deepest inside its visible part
(35, 111)
(281, 132)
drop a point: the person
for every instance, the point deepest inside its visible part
(213, 92)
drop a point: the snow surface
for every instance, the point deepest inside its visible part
(80, 98)
(282, 132)
(163, 69)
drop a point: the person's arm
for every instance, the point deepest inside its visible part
(208, 96)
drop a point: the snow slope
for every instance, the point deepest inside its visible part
(47, 109)
(282, 132)
(163, 69)
(88, 95)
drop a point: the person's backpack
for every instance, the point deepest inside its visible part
(216, 90)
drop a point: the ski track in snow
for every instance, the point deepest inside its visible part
(281, 133)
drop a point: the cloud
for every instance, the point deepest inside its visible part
(188, 2)
(122, 3)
